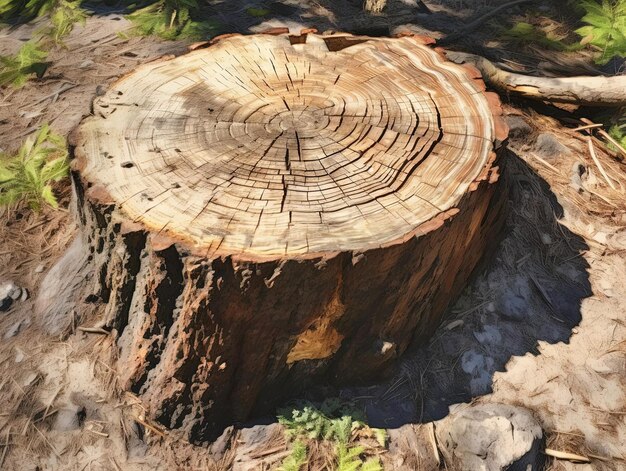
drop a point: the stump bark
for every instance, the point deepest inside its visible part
(276, 211)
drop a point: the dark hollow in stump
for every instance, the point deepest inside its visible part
(275, 211)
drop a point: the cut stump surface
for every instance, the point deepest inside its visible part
(275, 210)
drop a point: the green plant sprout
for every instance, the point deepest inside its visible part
(605, 28)
(28, 176)
(296, 459)
(337, 422)
(171, 19)
(17, 69)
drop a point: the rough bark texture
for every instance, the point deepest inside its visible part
(214, 327)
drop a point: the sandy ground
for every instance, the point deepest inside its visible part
(542, 325)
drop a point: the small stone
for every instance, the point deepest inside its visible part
(489, 335)
(490, 437)
(518, 127)
(29, 379)
(87, 63)
(15, 293)
(40, 268)
(19, 355)
(513, 303)
(599, 366)
(250, 441)
(16, 327)
(549, 147)
(24, 295)
(546, 239)
(9, 292)
(67, 419)
(480, 368)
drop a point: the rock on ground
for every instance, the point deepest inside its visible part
(490, 437)
(9, 292)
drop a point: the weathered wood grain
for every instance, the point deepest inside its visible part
(273, 211)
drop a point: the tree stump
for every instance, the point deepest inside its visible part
(273, 211)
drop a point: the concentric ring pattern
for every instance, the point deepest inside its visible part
(259, 146)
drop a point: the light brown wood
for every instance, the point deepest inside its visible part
(580, 90)
(273, 211)
(309, 152)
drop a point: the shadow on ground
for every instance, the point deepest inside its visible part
(530, 292)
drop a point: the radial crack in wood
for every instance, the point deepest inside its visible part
(273, 211)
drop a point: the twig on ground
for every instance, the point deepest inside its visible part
(150, 427)
(94, 330)
(598, 164)
(64, 88)
(45, 439)
(588, 126)
(604, 134)
(6, 447)
(564, 455)
(546, 163)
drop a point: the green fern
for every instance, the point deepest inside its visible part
(333, 420)
(16, 70)
(373, 464)
(338, 422)
(606, 27)
(63, 17)
(349, 459)
(24, 10)
(27, 176)
(296, 459)
(171, 19)
(618, 131)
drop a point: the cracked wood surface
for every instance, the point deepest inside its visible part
(268, 146)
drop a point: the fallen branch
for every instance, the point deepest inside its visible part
(150, 427)
(580, 90)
